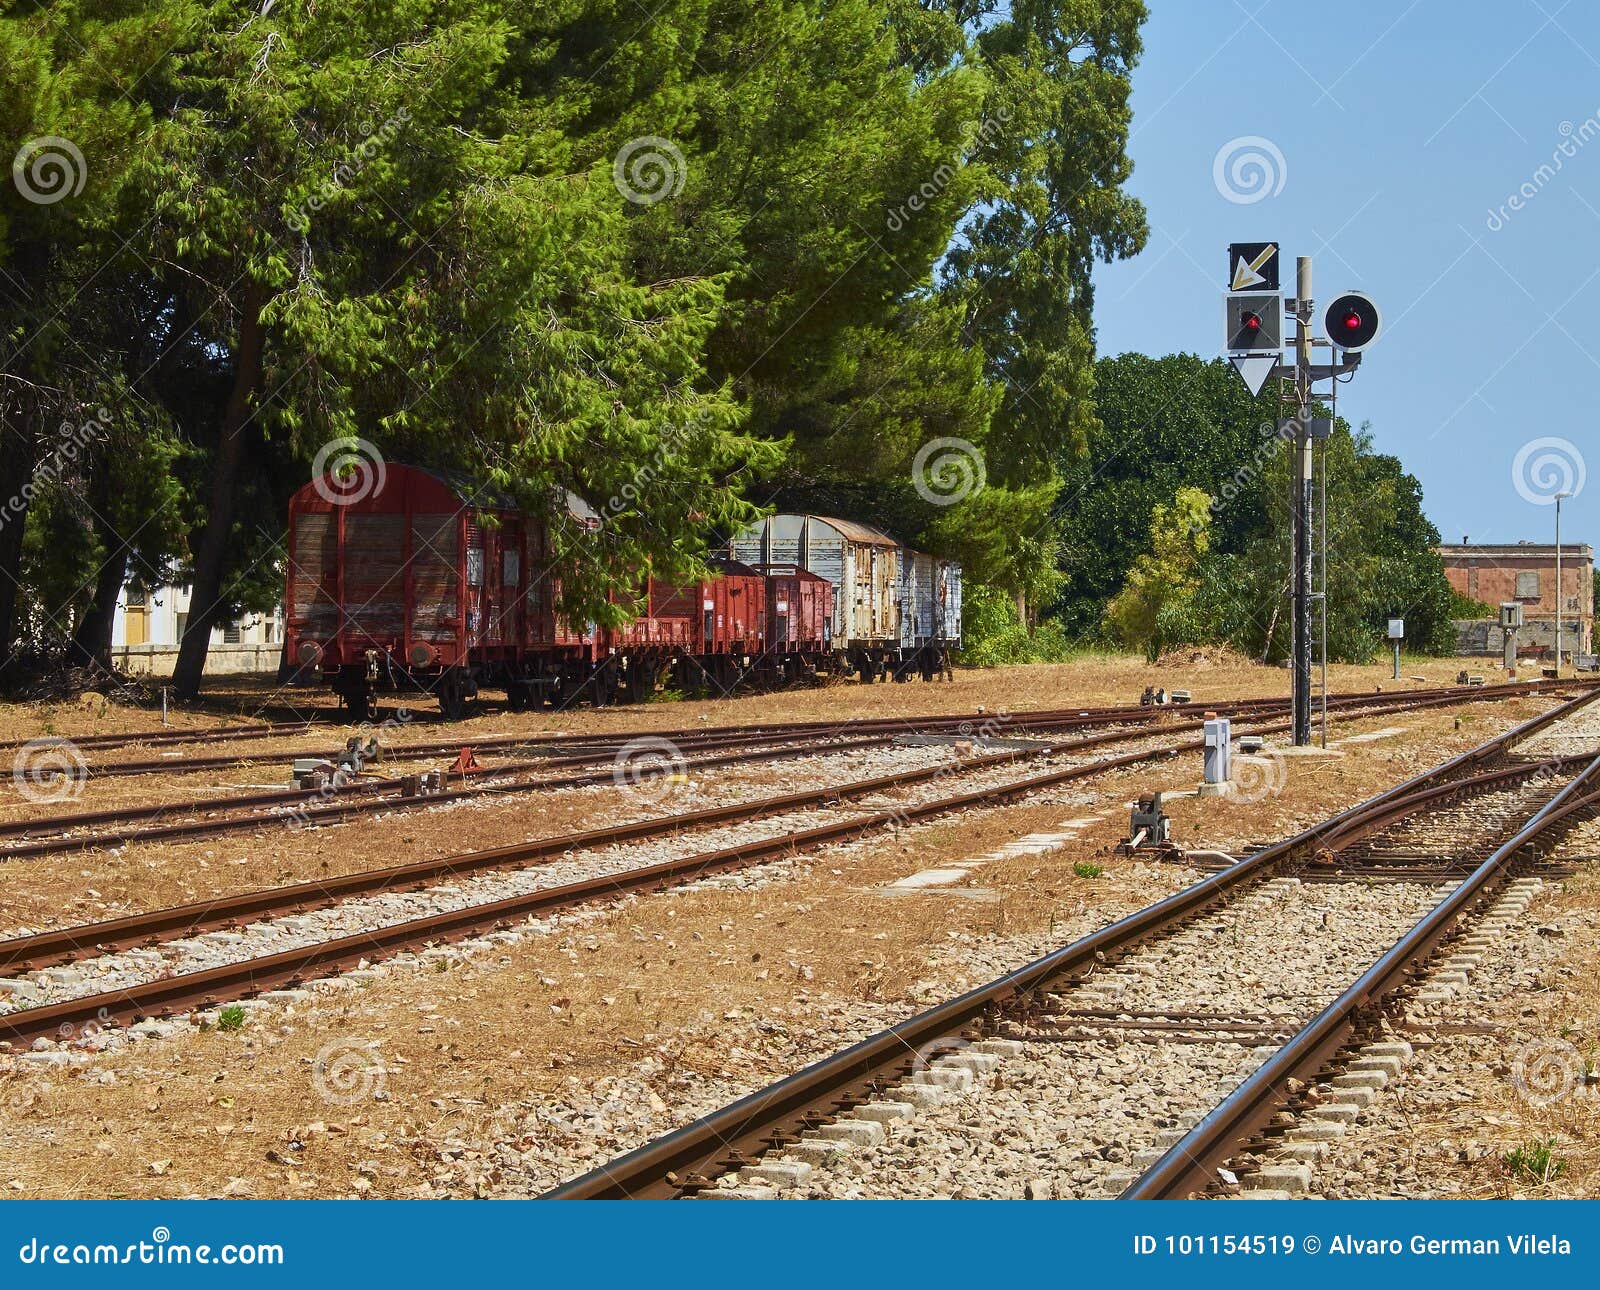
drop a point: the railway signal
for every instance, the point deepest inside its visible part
(1254, 336)
(1253, 342)
(1255, 323)
(1352, 322)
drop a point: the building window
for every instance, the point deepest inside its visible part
(232, 634)
(1528, 585)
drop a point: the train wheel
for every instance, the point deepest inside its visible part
(353, 689)
(452, 697)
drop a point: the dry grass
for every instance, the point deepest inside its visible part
(1094, 680)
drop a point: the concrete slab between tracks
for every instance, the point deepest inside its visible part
(946, 876)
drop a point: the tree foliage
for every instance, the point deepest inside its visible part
(747, 251)
(1156, 604)
(1179, 423)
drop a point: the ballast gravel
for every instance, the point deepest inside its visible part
(1078, 1119)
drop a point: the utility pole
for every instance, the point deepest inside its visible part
(1301, 520)
(1559, 497)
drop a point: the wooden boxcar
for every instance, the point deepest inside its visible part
(799, 637)
(426, 582)
(930, 611)
(860, 562)
(709, 633)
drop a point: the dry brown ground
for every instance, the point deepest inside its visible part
(1095, 680)
(263, 763)
(91, 886)
(209, 1112)
(1559, 1017)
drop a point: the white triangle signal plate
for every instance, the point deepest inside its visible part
(1254, 369)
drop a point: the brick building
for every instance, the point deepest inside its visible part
(1525, 572)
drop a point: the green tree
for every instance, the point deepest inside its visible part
(1163, 424)
(372, 229)
(1156, 606)
(76, 124)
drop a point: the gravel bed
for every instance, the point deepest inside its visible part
(1578, 733)
(120, 970)
(1076, 1119)
(1483, 1068)
(695, 788)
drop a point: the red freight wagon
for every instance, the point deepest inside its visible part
(799, 618)
(716, 627)
(414, 578)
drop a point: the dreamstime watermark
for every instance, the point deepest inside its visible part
(1271, 436)
(674, 442)
(649, 169)
(946, 471)
(1546, 468)
(48, 169)
(1249, 169)
(372, 140)
(347, 1071)
(348, 471)
(976, 132)
(1573, 138)
(160, 1250)
(49, 770)
(1256, 778)
(1547, 1070)
(990, 727)
(74, 439)
(649, 769)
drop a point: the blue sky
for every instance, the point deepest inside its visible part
(1404, 129)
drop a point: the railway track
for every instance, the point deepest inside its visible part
(159, 738)
(177, 763)
(1164, 986)
(154, 997)
(192, 818)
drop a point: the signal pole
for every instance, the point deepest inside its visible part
(1301, 520)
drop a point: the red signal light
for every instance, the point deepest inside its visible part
(1352, 321)
(1252, 322)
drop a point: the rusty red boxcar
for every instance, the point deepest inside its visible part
(423, 580)
(416, 579)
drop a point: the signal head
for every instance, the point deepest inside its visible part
(1353, 321)
(1255, 322)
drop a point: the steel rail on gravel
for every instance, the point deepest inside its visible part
(52, 835)
(65, 945)
(293, 967)
(206, 988)
(692, 1157)
(1088, 716)
(1187, 1168)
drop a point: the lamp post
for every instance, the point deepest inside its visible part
(1559, 498)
